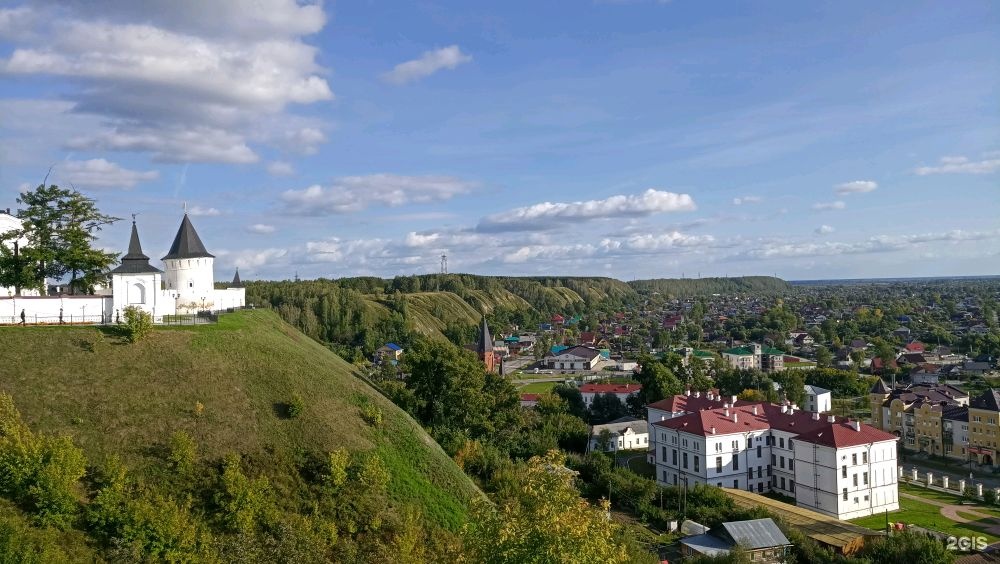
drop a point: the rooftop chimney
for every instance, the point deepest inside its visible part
(733, 400)
(791, 409)
(727, 411)
(784, 409)
(662, 417)
(735, 419)
(857, 426)
(755, 410)
(831, 419)
(713, 429)
(815, 416)
(687, 392)
(697, 394)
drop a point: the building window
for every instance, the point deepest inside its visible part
(736, 445)
(782, 464)
(697, 464)
(774, 460)
(684, 443)
(663, 451)
(855, 480)
(675, 456)
(664, 475)
(781, 442)
(865, 476)
(675, 479)
(782, 483)
(736, 484)
(718, 447)
(791, 486)
(718, 464)
(789, 444)
(760, 471)
(758, 451)
(845, 494)
(684, 458)
(791, 464)
(854, 459)
(749, 443)
(736, 463)
(864, 457)
(843, 471)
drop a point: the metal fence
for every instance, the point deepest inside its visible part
(67, 319)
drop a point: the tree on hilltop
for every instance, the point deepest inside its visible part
(60, 226)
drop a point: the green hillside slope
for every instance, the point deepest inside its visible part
(113, 398)
(684, 287)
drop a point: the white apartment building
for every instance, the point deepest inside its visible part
(765, 447)
(818, 399)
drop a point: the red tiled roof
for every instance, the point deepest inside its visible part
(681, 402)
(769, 416)
(915, 346)
(612, 388)
(842, 434)
(529, 397)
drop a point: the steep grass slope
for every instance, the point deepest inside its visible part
(128, 399)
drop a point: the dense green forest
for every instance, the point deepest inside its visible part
(685, 287)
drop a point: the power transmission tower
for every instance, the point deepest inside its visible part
(444, 264)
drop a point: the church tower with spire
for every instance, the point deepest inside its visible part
(190, 270)
(135, 282)
(484, 348)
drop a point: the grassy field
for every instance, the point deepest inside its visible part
(915, 512)
(115, 398)
(537, 387)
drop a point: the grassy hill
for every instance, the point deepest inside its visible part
(114, 398)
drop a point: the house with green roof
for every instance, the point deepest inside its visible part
(768, 359)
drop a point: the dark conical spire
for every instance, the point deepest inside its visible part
(135, 261)
(485, 343)
(879, 387)
(187, 244)
(237, 283)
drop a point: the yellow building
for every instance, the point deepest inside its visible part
(984, 435)
(931, 419)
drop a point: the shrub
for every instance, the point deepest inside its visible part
(336, 471)
(295, 407)
(183, 453)
(244, 503)
(989, 496)
(39, 472)
(371, 413)
(199, 408)
(138, 324)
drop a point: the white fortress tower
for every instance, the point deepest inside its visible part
(190, 270)
(137, 283)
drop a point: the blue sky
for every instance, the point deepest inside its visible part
(631, 139)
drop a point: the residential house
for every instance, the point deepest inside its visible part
(626, 433)
(529, 400)
(818, 400)
(623, 391)
(984, 437)
(390, 352)
(915, 413)
(760, 538)
(574, 358)
(768, 359)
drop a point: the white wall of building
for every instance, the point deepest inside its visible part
(194, 281)
(866, 475)
(75, 309)
(629, 440)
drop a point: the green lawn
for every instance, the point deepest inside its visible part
(913, 512)
(947, 498)
(537, 387)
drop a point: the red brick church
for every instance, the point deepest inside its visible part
(484, 348)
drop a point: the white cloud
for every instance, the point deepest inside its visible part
(280, 168)
(878, 244)
(963, 165)
(822, 206)
(747, 200)
(253, 258)
(203, 211)
(354, 193)
(548, 215)
(260, 228)
(184, 83)
(824, 230)
(443, 239)
(428, 63)
(855, 187)
(99, 173)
